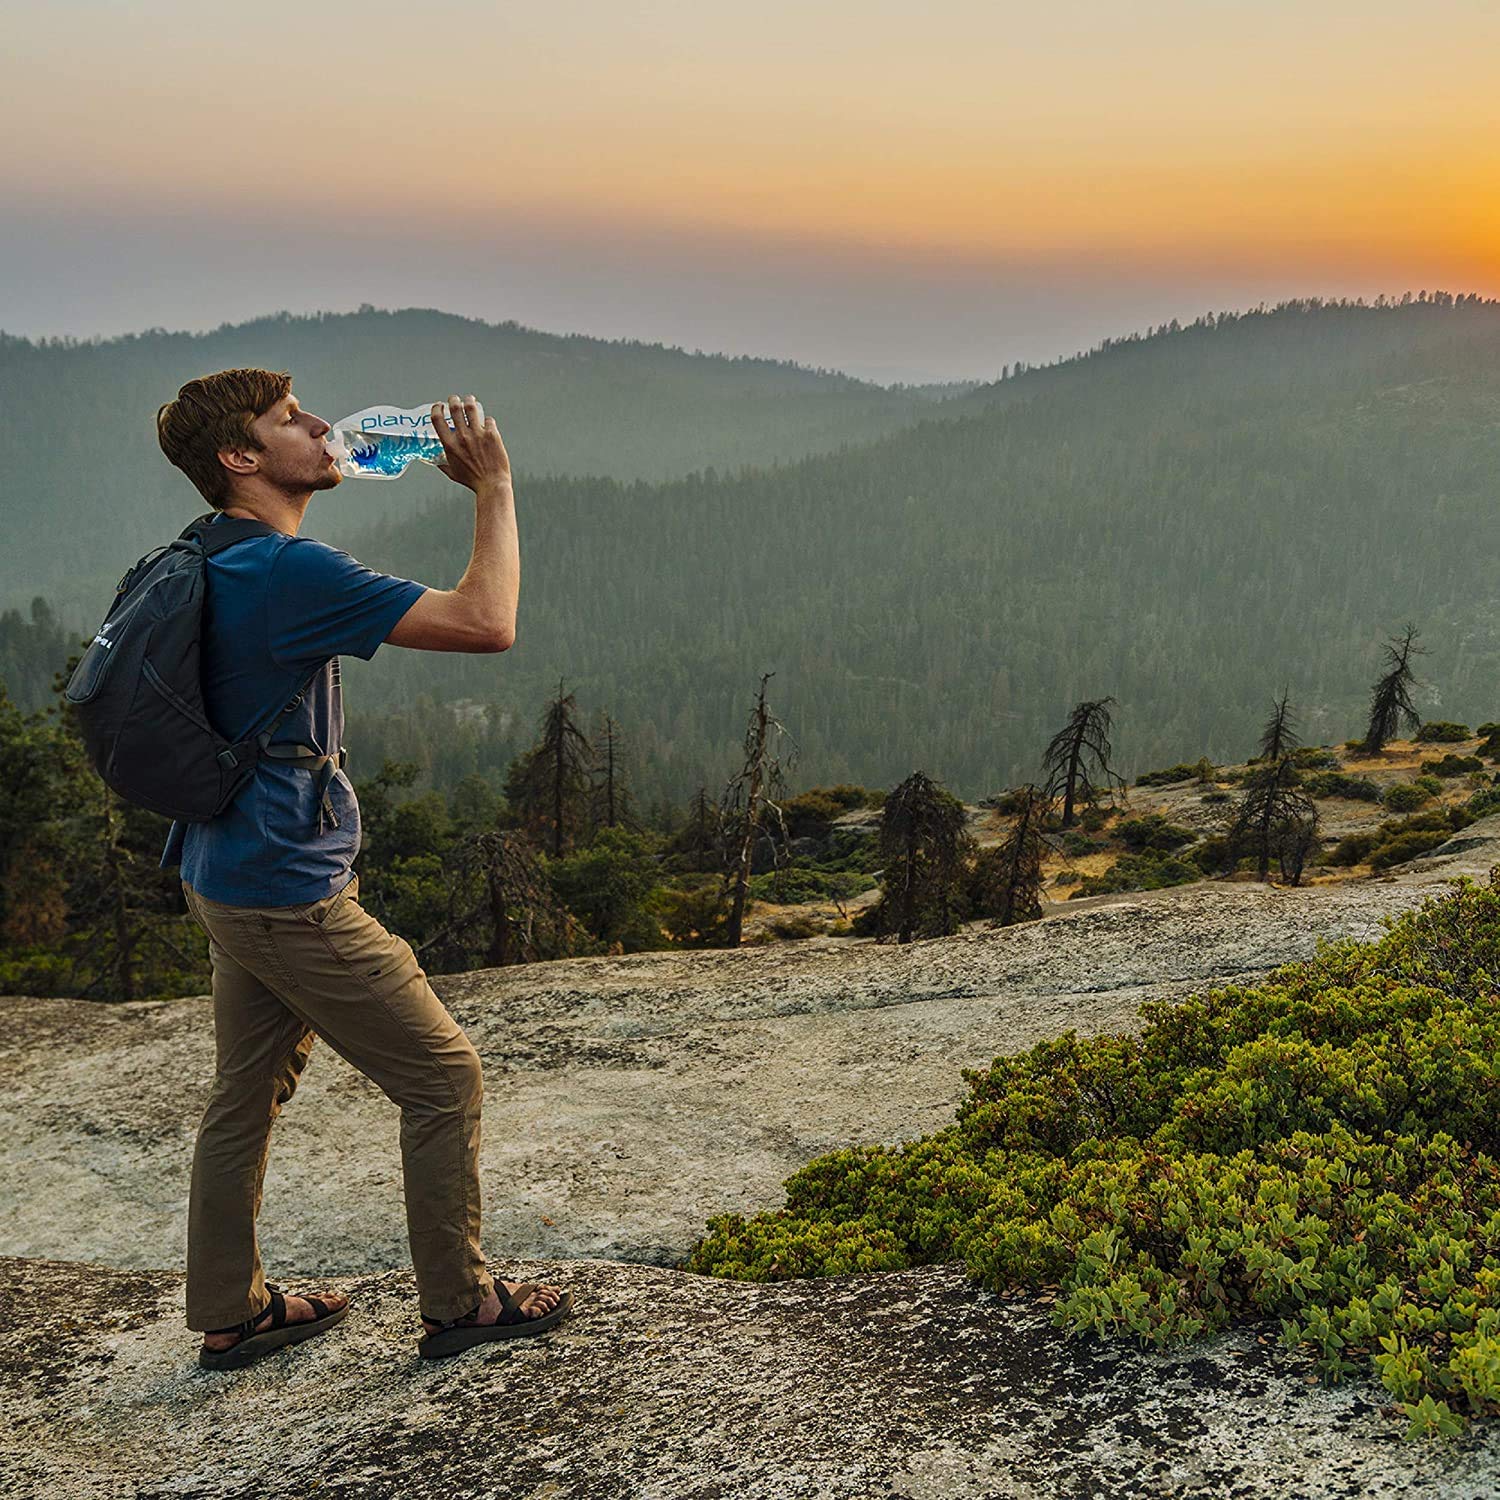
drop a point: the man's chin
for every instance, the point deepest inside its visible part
(331, 478)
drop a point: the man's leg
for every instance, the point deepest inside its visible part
(363, 991)
(261, 1048)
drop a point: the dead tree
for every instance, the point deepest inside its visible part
(749, 807)
(1390, 696)
(1077, 754)
(612, 801)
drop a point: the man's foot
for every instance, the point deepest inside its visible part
(537, 1305)
(298, 1310)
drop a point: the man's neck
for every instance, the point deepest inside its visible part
(278, 511)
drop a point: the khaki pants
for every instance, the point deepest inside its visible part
(282, 976)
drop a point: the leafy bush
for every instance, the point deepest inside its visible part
(1093, 819)
(1314, 758)
(1408, 846)
(1441, 821)
(1403, 796)
(792, 885)
(1173, 774)
(1429, 784)
(1152, 832)
(1484, 802)
(1151, 870)
(1452, 765)
(1075, 843)
(1338, 784)
(1320, 1149)
(784, 928)
(1354, 850)
(1442, 732)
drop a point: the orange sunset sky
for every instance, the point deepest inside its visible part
(902, 191)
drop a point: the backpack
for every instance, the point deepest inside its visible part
(137, 694)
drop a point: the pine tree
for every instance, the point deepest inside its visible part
(612, 801)
(548, 787)
(1008, 875)
(1390, 697)
(1275, 816)
(925, 846)
(1083, 740)
(749, 809)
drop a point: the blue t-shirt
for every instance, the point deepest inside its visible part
(276, 609)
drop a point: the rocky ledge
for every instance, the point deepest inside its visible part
(626, 1101)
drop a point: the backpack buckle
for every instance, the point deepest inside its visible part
(228, 759)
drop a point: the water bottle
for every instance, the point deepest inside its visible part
(382, 442)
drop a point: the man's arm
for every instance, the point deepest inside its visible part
(479, 615)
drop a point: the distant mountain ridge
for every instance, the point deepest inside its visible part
(1188, 522)
(87, 490)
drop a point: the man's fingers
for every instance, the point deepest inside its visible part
(475, 411)
(456, 408)
(440, 426)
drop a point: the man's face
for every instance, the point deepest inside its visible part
(293, 457)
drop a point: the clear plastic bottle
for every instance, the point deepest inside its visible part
(382, 442)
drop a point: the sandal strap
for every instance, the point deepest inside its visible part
(445, 1324)
(510, 1303)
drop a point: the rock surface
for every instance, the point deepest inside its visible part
(628, 1099)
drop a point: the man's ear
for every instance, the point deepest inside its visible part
(241, 461)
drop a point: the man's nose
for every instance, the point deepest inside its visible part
(319, 427)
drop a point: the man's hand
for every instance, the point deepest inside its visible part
(473, 453)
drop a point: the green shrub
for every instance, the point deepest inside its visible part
(794, 885)
(1093, 819)
(1353, 850)
(1408, 846)
(1452, 765)
(1152, 870)
(1315, 758)
(1152, 832)
(1429, 784)
(794, 927)
(1442, 732)
(1338, 784)
(1405, 797)
(1168, 777)
(1484, 802)
(1217, 796)
(1075, 843)
(1442, 821)
(1068, 877)
(1320, 1149)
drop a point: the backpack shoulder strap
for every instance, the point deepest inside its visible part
(215, 538)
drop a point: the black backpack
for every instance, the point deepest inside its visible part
(138, 697)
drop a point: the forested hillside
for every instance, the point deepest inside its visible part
(1190, 522)
(87, 490)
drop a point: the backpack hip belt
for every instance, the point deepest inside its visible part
(325, 765)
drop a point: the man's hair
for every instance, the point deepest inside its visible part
(213, 412)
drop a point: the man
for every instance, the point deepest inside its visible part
(294, 954)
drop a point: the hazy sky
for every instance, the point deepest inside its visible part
(903, 191)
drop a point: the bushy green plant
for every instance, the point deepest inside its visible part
(1151, 870)
(1075, 843)
(1339, 784)
(1408, 846)
(1484, 802)
(1452, 765)
(1404, 796)
(1429, 784)
(1442, 732)
(1180, 772)
(1315, 758)
(1152, 831)
(1320, 1150)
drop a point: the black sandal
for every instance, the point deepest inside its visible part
(253, 1346)
(458, 1334)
